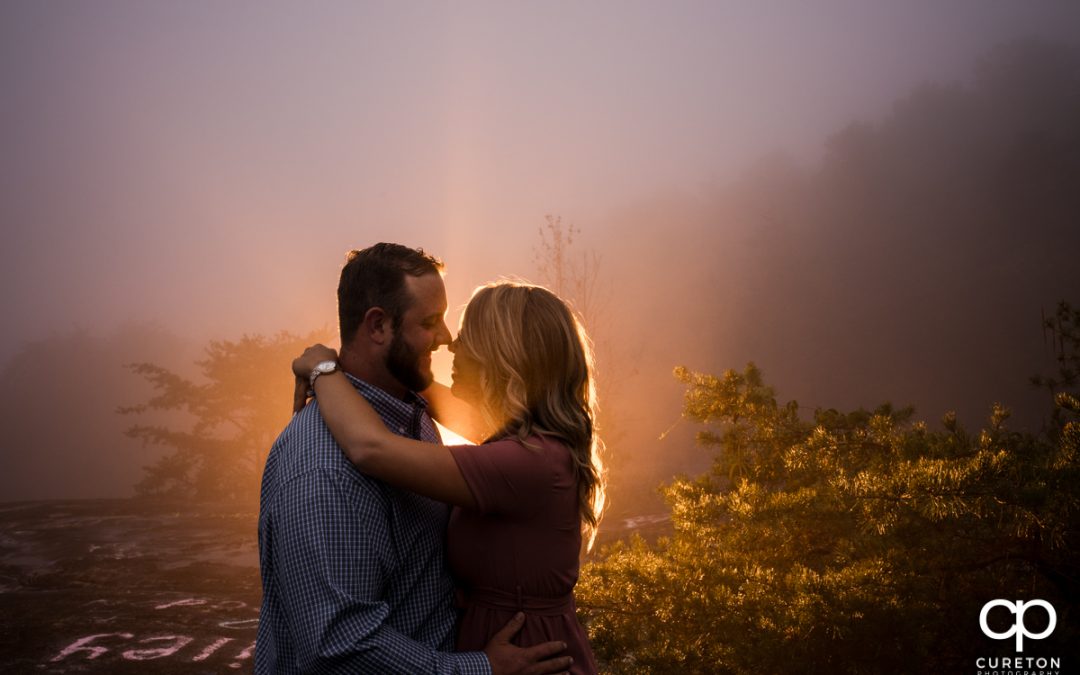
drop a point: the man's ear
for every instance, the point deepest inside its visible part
(378, 326)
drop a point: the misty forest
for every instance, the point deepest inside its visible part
(858, 423)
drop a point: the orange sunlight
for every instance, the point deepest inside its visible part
(441, 362)
(450, 438)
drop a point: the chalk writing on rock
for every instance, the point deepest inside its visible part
(216, 645)
(178, 642)
(186, 602)
(94, 646)
(83, 645)
(199, 602)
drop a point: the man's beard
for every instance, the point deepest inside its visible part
(403, 362)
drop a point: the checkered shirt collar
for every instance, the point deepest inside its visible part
(398, 414)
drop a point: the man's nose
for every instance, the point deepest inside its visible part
(443, 337)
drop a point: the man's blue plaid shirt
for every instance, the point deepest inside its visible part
(353, 571)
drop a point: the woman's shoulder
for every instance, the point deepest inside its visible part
(512, 475)
(533, 443)
(536, 449)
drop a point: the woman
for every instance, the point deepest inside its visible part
(524, 497)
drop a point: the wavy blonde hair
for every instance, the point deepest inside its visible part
(536, 377)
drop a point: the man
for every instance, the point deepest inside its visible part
(353, 571)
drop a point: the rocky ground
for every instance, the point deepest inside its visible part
(103, 586)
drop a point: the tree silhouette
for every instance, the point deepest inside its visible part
(236, 413)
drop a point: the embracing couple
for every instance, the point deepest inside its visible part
(384, 551)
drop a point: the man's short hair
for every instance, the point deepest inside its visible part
(375, 277)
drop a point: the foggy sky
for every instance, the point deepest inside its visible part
(226, 155)
(205, 166)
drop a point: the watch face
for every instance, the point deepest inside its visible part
(322, 368)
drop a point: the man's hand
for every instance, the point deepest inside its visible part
(507, 659)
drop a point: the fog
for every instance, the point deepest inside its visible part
(871, 201)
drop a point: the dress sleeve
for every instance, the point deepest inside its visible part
(331, 542)
(508, 478)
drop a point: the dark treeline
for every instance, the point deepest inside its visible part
(912, 264)
(63, 438)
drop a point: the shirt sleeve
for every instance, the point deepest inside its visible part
(333, 547)
(508, 478)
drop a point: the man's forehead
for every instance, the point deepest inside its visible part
(427, 293)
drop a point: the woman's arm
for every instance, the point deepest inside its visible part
(424, 468)
(455, 414)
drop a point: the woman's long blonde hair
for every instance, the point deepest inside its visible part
(536, 377)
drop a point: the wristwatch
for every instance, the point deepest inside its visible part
(323, 368)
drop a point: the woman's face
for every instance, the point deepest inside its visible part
(465, 374)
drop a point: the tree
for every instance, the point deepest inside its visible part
(1062, 331)
(236, 413)
(570, 277)
(859, 542)
(577, 279)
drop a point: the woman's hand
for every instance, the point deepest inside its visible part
(312, 356)
(425, 468)
(300, 394)
(302, 367)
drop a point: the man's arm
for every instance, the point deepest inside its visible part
(331, 540)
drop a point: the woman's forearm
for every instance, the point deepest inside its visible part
(424, 468)
(355, 425)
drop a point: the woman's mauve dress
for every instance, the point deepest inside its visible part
(519, 549)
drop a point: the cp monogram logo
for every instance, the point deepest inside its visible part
(1019, 629)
